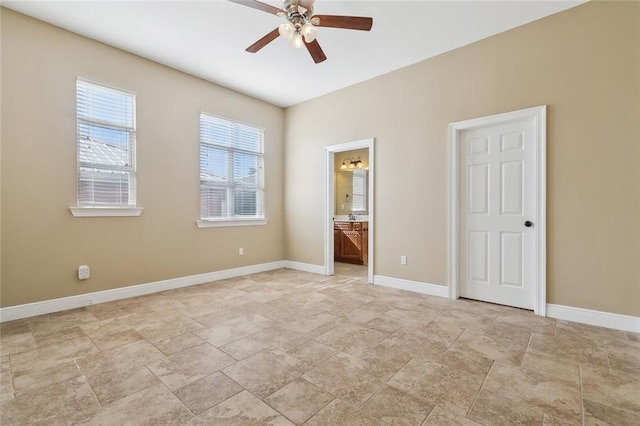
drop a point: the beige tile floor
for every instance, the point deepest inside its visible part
(287, 347)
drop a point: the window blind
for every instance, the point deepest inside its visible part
(359, 192)
(106, 145)
(231, 169)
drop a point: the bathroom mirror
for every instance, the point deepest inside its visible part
(351, 192)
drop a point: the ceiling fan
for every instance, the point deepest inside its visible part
(300, 26)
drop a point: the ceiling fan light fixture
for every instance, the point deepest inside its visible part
(296, 40)
(309, 32)
(286, 30)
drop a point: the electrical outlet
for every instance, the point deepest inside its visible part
(240, 251)
(83, 272)
(403, 260)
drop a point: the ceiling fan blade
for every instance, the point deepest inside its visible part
(346, 22)
(316, 51)
(263, 41)
(260, 6)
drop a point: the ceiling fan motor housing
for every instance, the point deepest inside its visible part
(294, 14)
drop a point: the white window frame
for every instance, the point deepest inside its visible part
(231, 220)
(97, 209)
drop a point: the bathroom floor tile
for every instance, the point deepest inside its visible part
(151, 406)
(266, 372)
(601, 414)
(182, 368)
(233, 329)
(436, 383)
(624, 355)
(178, 343)
(313, 353)
(393, 406)
(616, 389)
(204, 393)
(341, 413)
(240, 410)
(512, 393)
(245, 347)
(67, 401)
(120, 380)
(299, 400)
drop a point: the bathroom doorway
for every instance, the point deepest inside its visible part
(349, 212)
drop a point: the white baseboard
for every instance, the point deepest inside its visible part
(62, 304)
(591, 317)
(568, 313)
(415, 286)
(305, 267)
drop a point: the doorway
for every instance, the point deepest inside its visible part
(497, 209)
(359, 204)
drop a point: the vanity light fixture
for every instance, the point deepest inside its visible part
(351, 163)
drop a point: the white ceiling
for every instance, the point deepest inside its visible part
(208, 38)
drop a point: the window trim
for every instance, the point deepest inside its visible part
(107, 210)
(222, 223)
(231, 221)
(89, 211)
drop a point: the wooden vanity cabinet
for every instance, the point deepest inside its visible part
(351, 242)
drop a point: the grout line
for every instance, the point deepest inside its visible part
(480, 390)
(75, 361)
(386, 383)
(13, 388)
(526, 350)
(174, 395)
(323, 407)
(606, 352)
(363, 403)
(581, 395)
(424, 422)
(464, 330)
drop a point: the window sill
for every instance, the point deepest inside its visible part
(230, 222)
(105, 211)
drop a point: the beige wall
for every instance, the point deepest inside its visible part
(583, 63)
(42, 244)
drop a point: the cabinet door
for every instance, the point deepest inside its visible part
(337, 243)
(352, 246)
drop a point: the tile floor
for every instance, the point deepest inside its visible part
(287, 347)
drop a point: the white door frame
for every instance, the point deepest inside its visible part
(539, 115)
(329, 201)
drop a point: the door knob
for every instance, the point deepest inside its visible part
(528, 224)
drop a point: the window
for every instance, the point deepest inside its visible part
(231, 172)
(106, 147)
(359, 191)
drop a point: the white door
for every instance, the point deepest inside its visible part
(498, 213)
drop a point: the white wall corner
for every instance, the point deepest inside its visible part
(62, 304)
(597, 318)
(414, 286)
